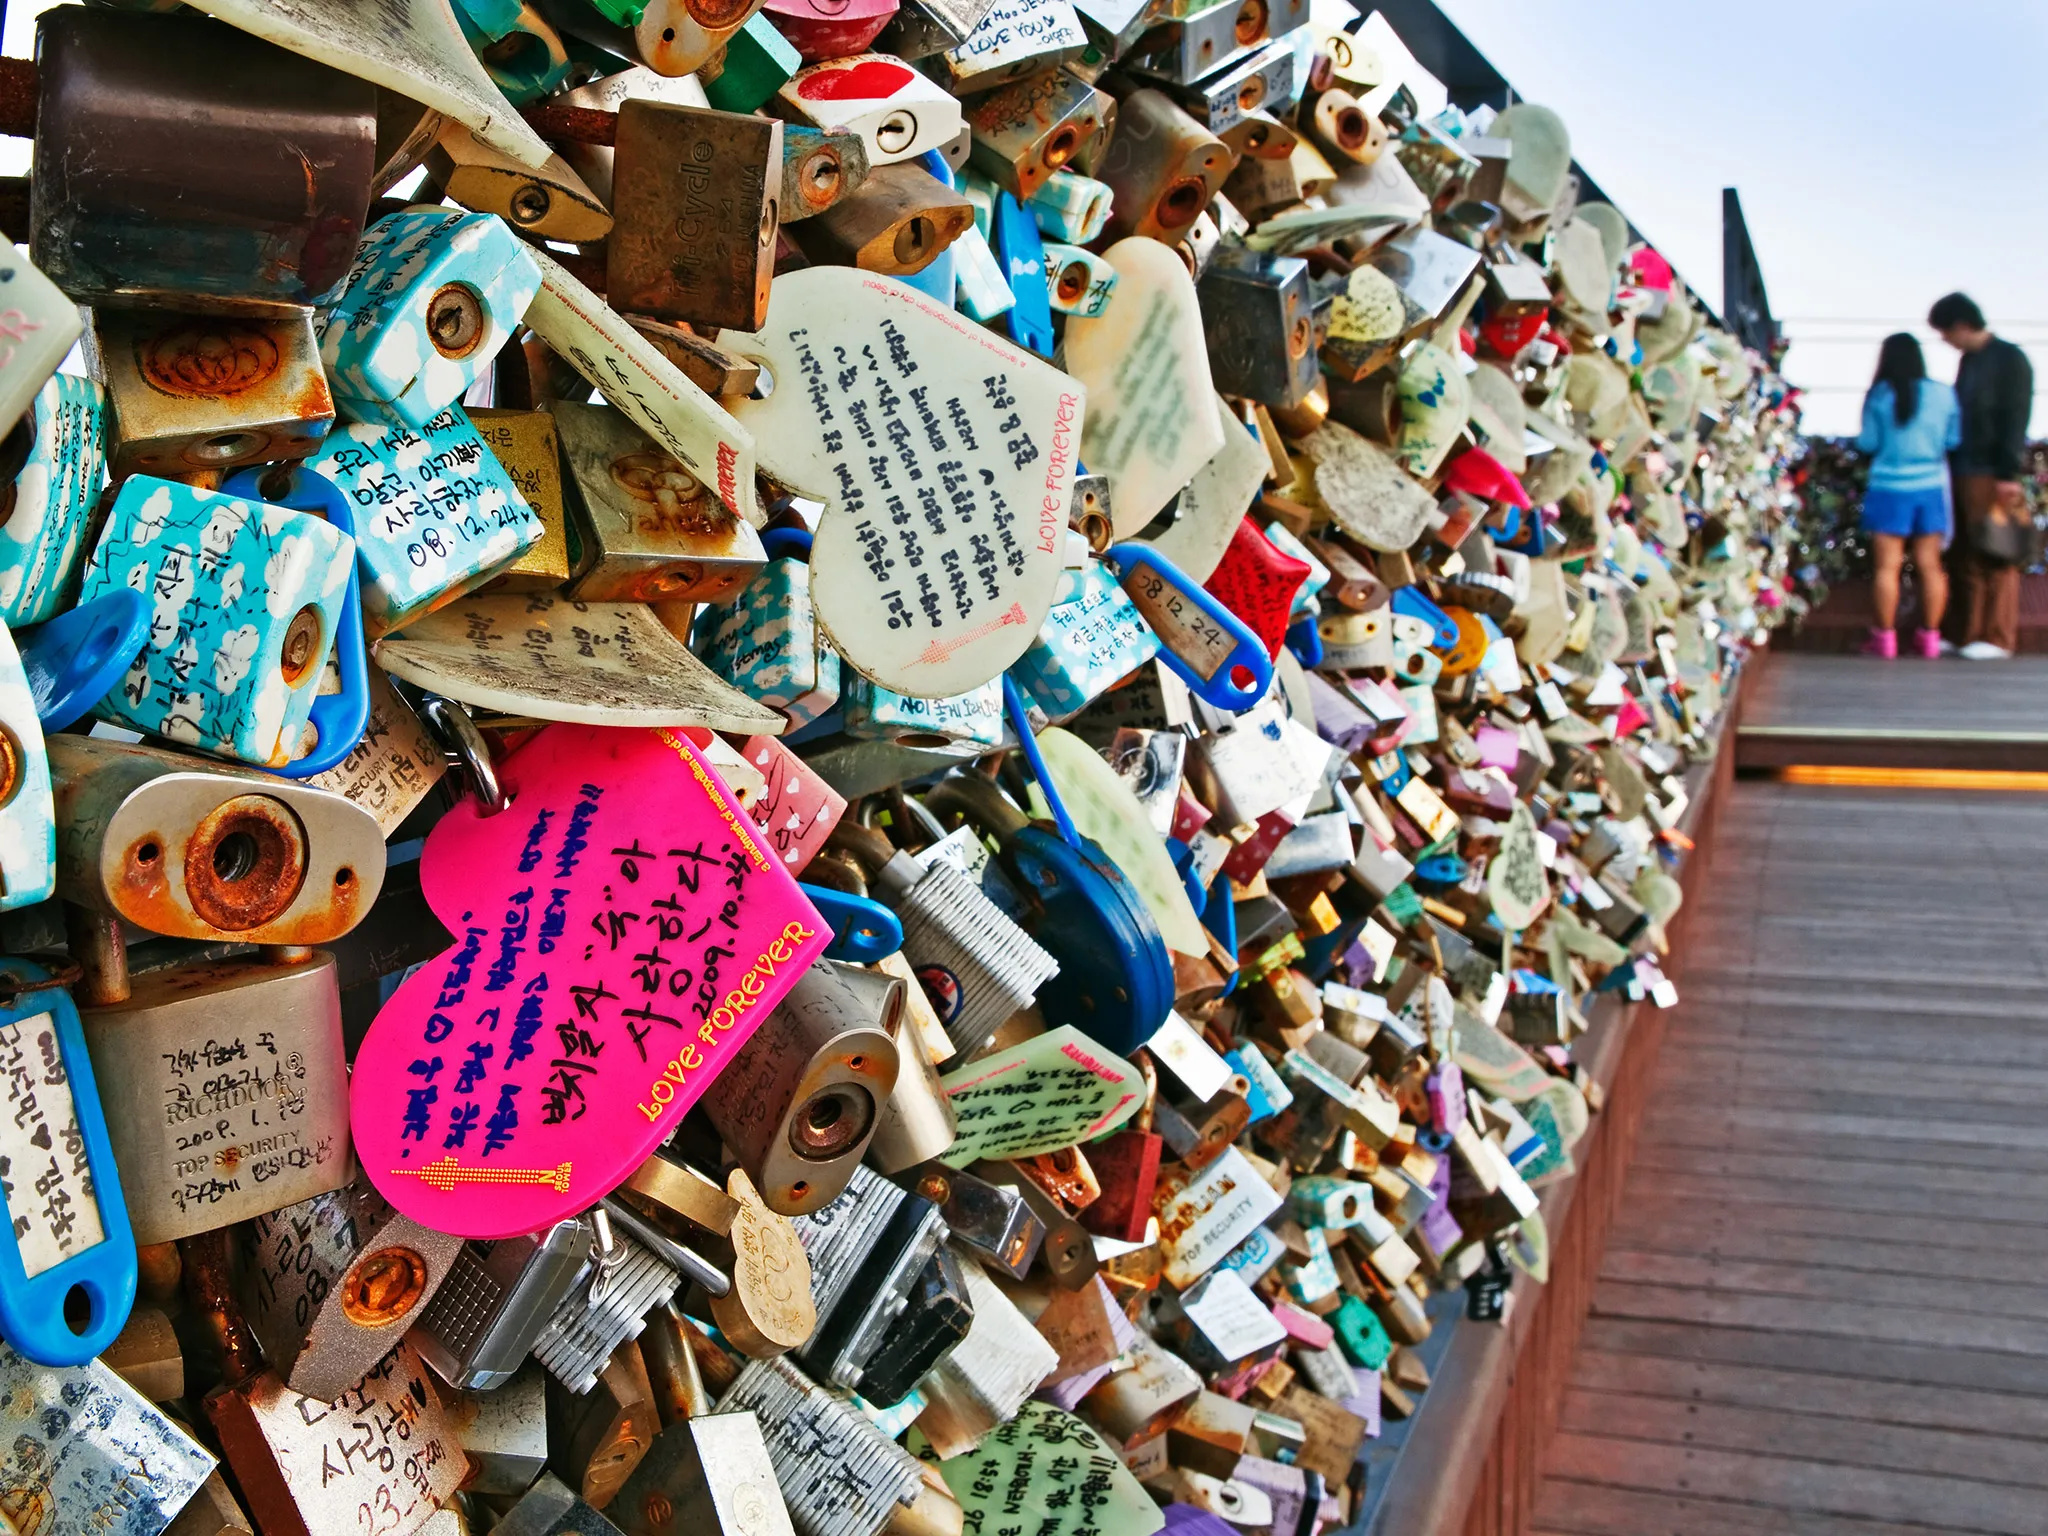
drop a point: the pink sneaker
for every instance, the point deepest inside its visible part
(1882, 643)
(1927, 642)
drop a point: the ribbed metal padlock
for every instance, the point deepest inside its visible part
(977, 966)
(839, 1474)
(867, 1250)
(627, 1281)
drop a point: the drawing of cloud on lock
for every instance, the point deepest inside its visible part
(49, 506)
(945, 457)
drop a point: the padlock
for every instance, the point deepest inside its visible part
(222, 854)
(819, 169)
(1016, 39)
(432, 295)
(331, 1284)
(85, 1451)
(229, 1087)
(523, 56)
(1222, 98)
(991, 1219)
(1024, 133)
(246, 599)
(1259, 135)
(800, 1102)
(710, 1474)
(1078, 282)
(670, 37)
(695, 194)
(839, 1474)
(977, 966)
(434, 513)
(867, 1250)
(186, 164)
(1067, 1249)
(550, 202)
(917, 1123)
(57, 452)
(1092, 639)
(897, 112)
(498, 1296)
(1115, 979)
(550, 1508)
(717, 370)
(643, 529)
(767, 643)
(596, 1439)
(526, 448)
(875, 713)
(626, 1280)
(41, 324)
(1257, 313)
(307, 1466)
(1136, 1402)
(1162, 167)
(897, 222)
(939, 1316)
(193, 393)
(1071, 207)
(585, 143)
(504, 1431)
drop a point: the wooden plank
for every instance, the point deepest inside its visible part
(1859, 1320)
(1974, 1457)
(1832, 1163)
(1675, 1132)
(1652, 1186)
(1877, 1287)
(1945, 1503)
(1910, 1365)
(1798, 1392)
(1720, 1063)
(1583, 1509)
(1862, 1249)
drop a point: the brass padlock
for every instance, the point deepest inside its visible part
(897, 222)
(695, 195)
(1025, 132)
(643, 528)
(192, 393)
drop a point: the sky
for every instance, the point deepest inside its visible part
(1886, 152)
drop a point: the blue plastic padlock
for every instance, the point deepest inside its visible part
(1416, 604)
(1115, 981)
(1442, 869)
(1020, 249)
(67, 1268)
(338, 718)
(1306, 641)
(75, 660)
(1194, 629)
(1219, 916)
(863, 930)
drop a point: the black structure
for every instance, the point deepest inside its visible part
(1745, 307)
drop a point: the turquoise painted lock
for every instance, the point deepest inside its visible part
(28, 816)
(432, 295)
(766, 642)
(435, 513)
(1070, 207)
(1077, 282)
(1093, 637)
(50, 505)
(1311, 1282)
(67, 1268)
(245, 599)
(974, 718)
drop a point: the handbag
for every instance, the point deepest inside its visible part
(2005, 534)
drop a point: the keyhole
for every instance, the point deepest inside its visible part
(455, 320)
(914, 239)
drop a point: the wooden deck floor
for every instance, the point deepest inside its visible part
(1854, 711)
(1824, 1308)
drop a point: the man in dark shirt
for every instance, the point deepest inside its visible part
(1995, 385)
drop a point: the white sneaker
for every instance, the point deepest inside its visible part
(1948, 647)
(1984, 650)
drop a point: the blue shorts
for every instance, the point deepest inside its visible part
(1907, 514)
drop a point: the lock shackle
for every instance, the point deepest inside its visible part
(460, 739)
(339, 718)
(1020, 722)
(1247, 652)
(979, 801)
(868, 848)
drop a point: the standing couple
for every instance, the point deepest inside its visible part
(1915, 428)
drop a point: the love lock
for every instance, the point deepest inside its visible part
(1116, 979)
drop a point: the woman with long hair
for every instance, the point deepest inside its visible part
(1910, 423)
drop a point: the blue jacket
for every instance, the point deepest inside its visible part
(1913, 457)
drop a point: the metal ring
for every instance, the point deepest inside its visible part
(461, 740)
